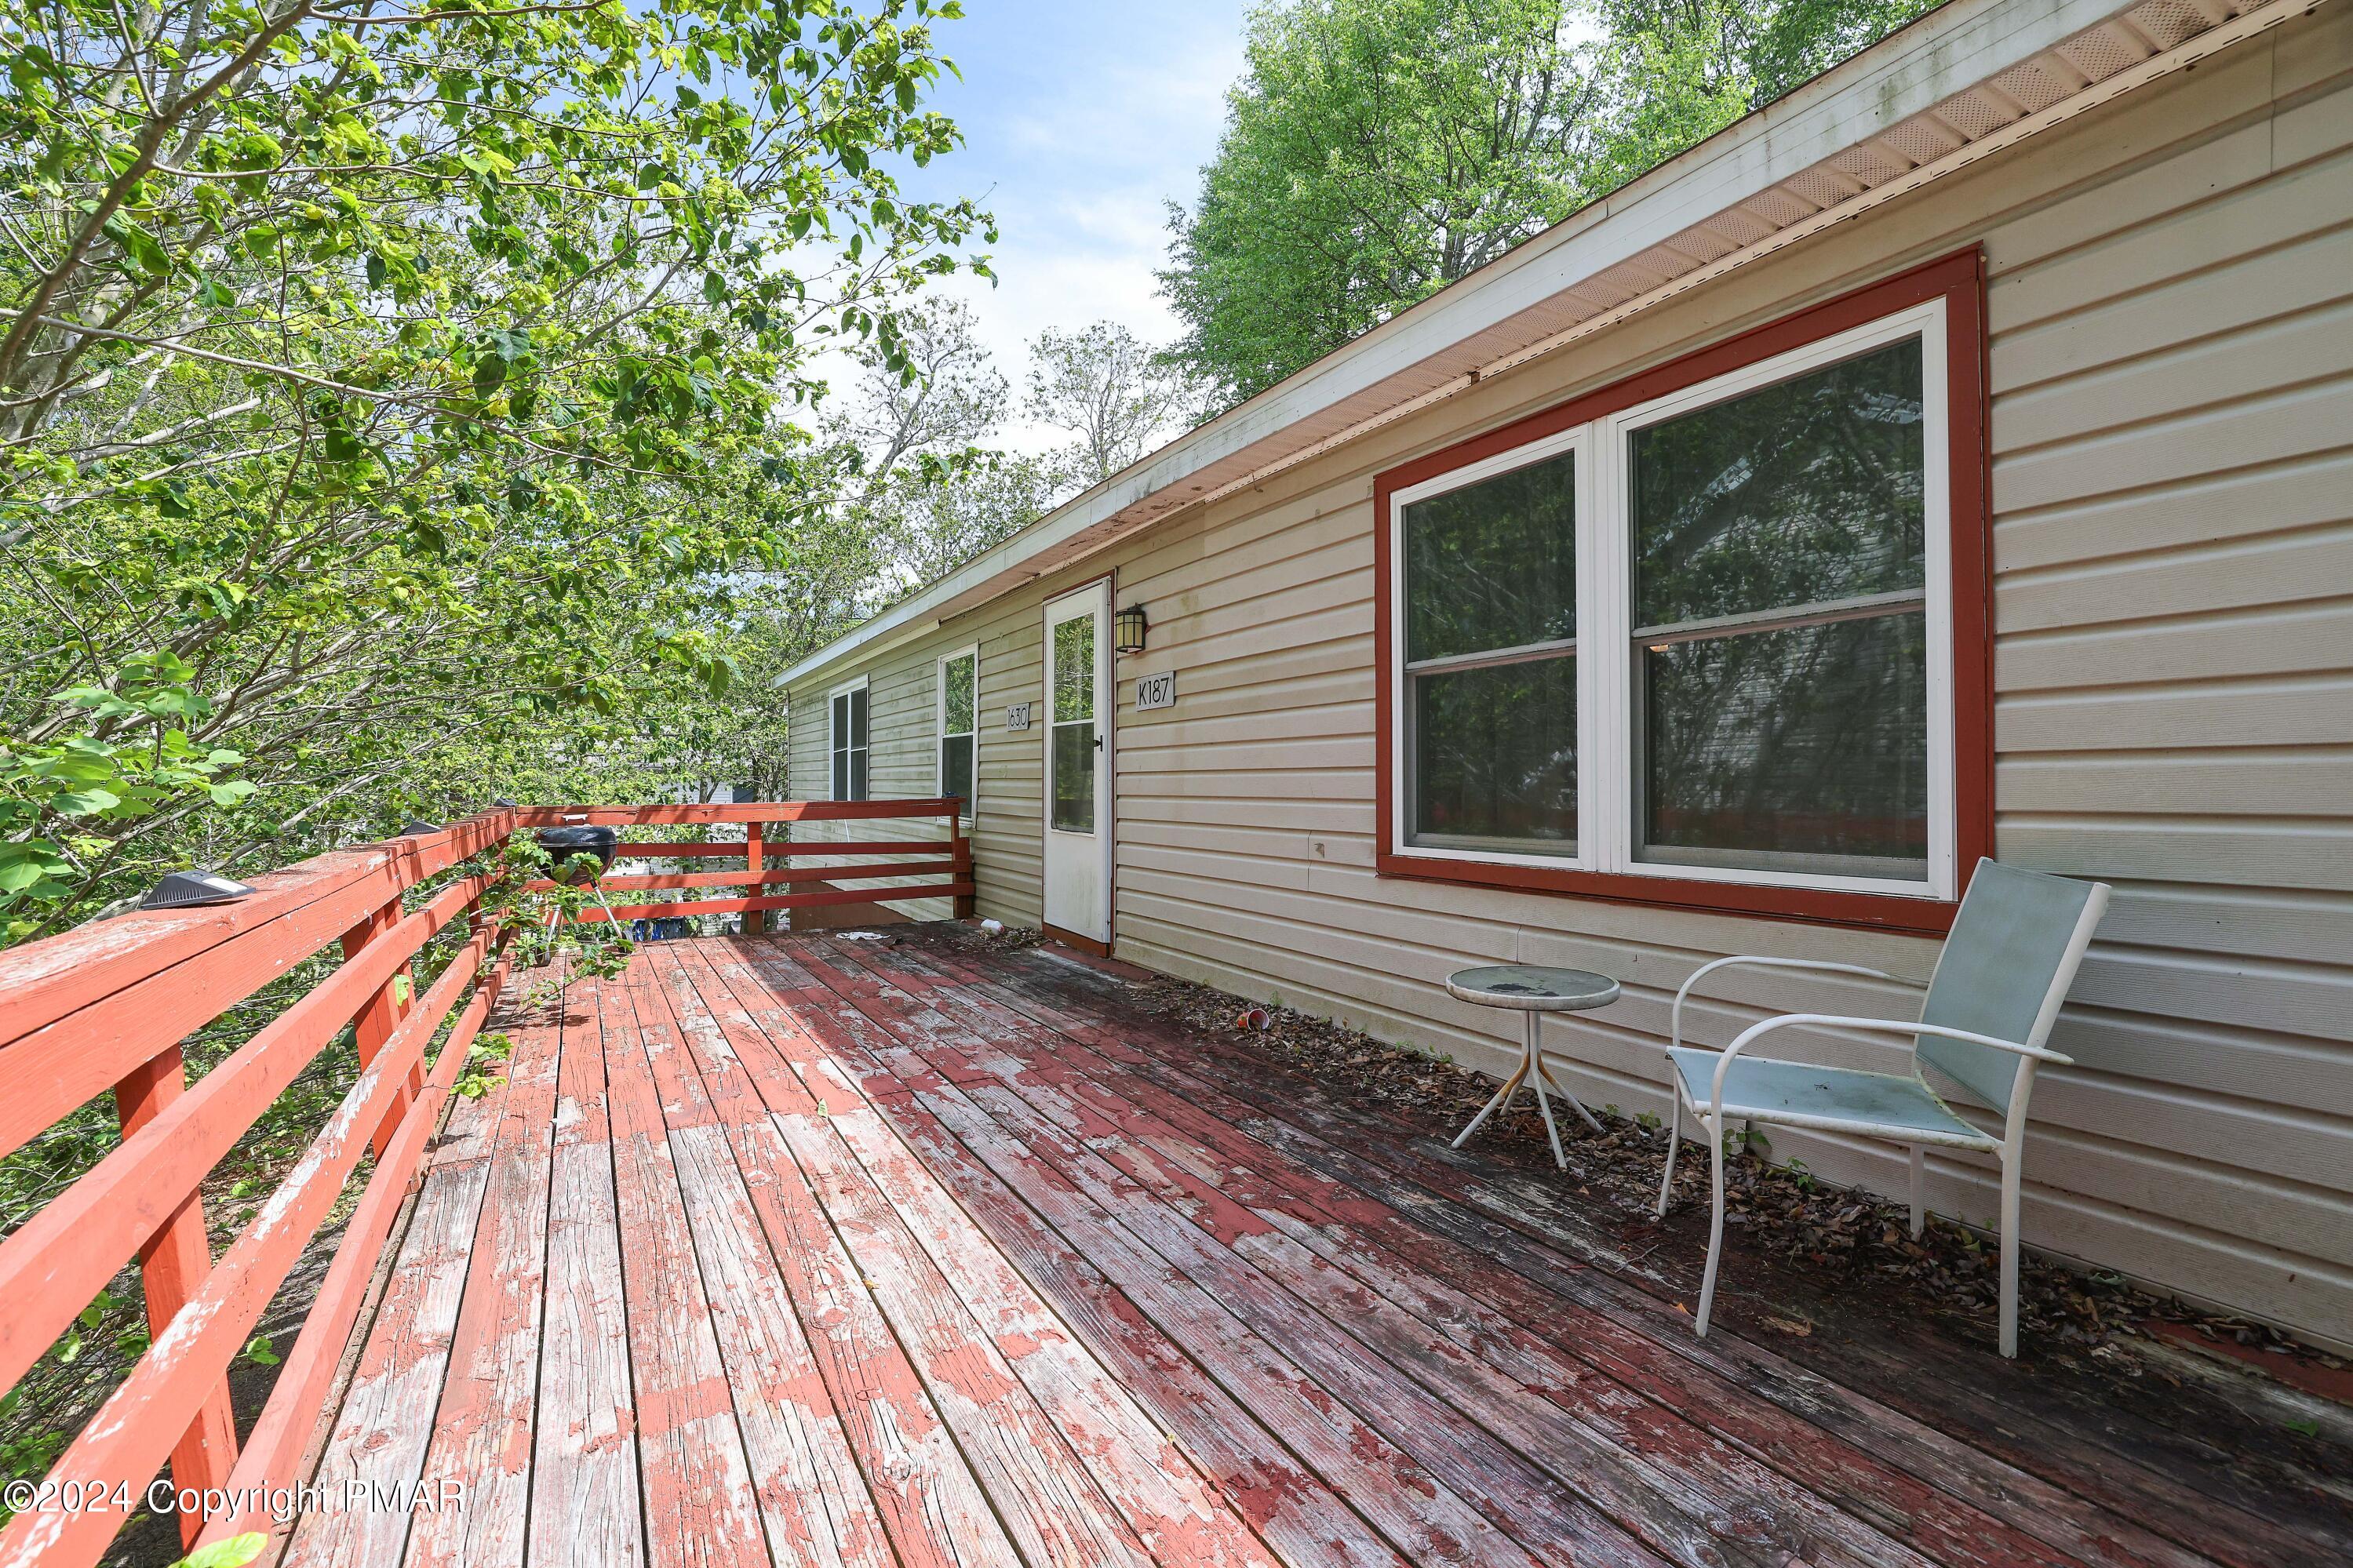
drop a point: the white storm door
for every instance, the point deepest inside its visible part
(1078, 762)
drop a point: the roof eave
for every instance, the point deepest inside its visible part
(1960, 48)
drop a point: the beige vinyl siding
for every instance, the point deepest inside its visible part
(902, 730)
(900, 766)
(2171, 350)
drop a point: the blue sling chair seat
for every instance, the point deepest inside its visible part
(2013, 951)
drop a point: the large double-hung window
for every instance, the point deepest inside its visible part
(1693, 646)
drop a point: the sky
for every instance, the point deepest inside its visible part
(1081, 121)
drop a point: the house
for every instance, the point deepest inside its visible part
(1953, 459)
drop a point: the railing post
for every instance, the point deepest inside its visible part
(383, 1011)
(172, 1267)
(965, 905)
(754, 921)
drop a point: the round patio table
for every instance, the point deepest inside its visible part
(1535, 991)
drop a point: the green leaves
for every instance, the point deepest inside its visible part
(64, 803)
(450, 407)
(1377, 151)
(233, 1551)
(27, 865)
(145, 252)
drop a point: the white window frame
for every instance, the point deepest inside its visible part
(941, 734)
(1606, 834)
(1543, 449)
(834, 786)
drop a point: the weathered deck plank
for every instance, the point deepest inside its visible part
(482, 1432)
(808, 1486)
(1139, 1468)
(1420, 1518)
(913, 1255)
(1516, 1495)
(1509, 1316)
(1696, 1499)
(1053, 1507)
(584, 1505)
(1452, 1200)
(701, 1509)
(375, 1456)
(933, 1508)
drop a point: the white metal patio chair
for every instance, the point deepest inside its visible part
(2013, 951)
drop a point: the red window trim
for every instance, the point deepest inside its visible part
(1960, 281)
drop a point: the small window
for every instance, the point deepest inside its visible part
(845, 738)
(1076, 746)
(1491, 651)
(959, 724)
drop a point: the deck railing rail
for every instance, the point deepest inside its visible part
(105, 1006)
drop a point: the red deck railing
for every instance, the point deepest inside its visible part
(106, 1006)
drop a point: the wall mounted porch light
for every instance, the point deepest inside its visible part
(1127, 628)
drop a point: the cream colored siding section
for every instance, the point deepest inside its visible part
(899, 697)
(1008, 833)
(902, 718)
(2171, 354)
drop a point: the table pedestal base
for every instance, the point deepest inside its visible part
(1532, 1070)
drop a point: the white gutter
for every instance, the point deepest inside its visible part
(1953, 86)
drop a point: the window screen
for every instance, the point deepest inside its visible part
(1781, 649)
(1490, 661)
(959, 711)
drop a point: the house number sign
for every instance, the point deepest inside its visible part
(1017, 715)
(1155, 691)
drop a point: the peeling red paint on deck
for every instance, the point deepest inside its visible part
(811, 1251)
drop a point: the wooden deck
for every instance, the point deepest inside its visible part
(822, 1250)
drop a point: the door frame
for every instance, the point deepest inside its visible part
(1107, 712)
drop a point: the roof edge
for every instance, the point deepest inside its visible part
(1953, 49)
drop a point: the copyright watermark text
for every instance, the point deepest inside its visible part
(278, 1504)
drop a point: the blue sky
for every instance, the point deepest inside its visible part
(1080, 121)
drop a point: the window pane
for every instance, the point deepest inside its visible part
(1493, 565)
(956, 769)
(840, 790)
(857, 717)
(957, 677)
(1495, 757)
(857, 773)
(1075, 777)
(1804, 749)
(1074, 669)
(1808, 490)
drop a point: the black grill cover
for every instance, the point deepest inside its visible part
(563, 843)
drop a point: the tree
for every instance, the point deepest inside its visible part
(1680, 70)
(1377, 151)
(934, 522)
(1115, 397)
(933, 394)
(1770, 48)
(375, 383)
(926, 493)
(1374, 151)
